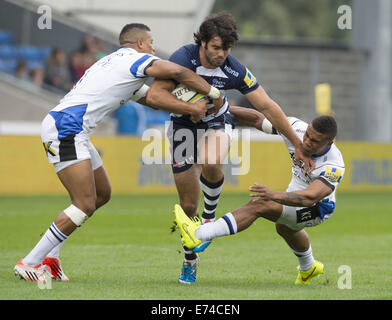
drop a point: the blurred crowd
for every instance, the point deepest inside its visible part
(60, 72)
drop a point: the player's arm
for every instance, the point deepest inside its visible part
(314, 193)
(271, 110)
(140, 96)
(247, 117)
(163, 69)
(159, 97)
(252, 118)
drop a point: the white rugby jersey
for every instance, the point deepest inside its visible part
(105, 86)
(329, 166)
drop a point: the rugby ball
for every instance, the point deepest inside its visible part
(187, 94)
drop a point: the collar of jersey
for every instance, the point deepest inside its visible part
(128, 48)
(320, 155)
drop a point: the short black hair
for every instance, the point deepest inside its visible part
(326, 125)
(129, 27)
(221, 24)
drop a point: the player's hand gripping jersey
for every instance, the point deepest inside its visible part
(105, 86)
(231, 75)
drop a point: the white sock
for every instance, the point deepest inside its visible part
(51, 239)
(305, 259)
(222, 227)
(55, 252)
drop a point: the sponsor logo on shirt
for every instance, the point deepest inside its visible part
(333, 174)
(231, 71)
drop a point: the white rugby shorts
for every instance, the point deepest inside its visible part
(298, 218)
(66, 151)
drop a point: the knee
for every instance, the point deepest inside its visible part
(257, 207)
(87, 205)
(282, 230)
(103, 197)
(212, 172)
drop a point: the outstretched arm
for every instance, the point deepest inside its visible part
(252, 118)
(271, 110)
(315, 192)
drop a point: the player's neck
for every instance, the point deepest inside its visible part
(321, 153)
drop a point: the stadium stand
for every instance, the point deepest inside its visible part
(32, 67)
(11, 53)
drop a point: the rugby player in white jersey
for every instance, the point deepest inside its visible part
(308, 201)
(105, 86)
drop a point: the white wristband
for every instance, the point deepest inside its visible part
(266, 126)
(214, 93)
(141, 93)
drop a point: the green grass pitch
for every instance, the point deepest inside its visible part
(126, 251)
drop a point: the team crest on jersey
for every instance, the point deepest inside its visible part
(333, 174)
(250, 79)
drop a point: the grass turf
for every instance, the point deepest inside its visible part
(126, 251)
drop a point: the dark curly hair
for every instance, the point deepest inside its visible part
(325, 125)
(221, 24)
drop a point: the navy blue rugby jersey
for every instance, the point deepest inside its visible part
(231, 75)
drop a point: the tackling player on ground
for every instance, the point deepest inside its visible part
(210, 58)
(308, 201)
(105, 86)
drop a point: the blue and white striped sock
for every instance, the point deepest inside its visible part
(222, 227)
(52, 237)
(211, 191)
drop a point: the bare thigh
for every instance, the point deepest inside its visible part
(213, 147)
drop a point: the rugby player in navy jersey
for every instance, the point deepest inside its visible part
(210, 58)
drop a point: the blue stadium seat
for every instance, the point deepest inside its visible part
(29, 53)
(6, 37)
(45, 52)
(8, 52)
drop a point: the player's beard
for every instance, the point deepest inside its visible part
(211, 60)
